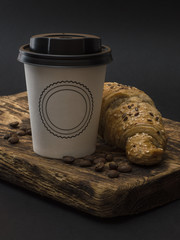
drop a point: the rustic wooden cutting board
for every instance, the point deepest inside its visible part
(83, 188)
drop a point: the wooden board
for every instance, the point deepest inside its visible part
(83, 188)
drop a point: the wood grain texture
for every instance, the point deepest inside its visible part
(83, 188)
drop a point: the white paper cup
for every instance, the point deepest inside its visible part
(64, 104)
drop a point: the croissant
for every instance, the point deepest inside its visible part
(130, 121)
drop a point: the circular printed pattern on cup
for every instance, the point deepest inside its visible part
(66, 108)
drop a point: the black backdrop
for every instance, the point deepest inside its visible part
(145, 41)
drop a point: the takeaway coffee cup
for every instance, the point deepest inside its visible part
(65, 74)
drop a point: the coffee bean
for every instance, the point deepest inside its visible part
(125, 168)
(90, 157)
(7, 135)
(116, 154)
(68, 159)
(109, 157)
(83, 162)
(113, 166)
(14, 124)
(21, 133)
(101, 154)
(23, 128)
(13, 140)
(14, 134)
(117, 159)
(99, 167)
(28, 132)
(113, 174)
(99, 159)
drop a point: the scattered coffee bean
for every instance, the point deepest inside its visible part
(116, 158)
(113, 166)
(23, 128)
(21, 133)
(116, 154)
(136, 114)
(125, 168)
(102, 161)
(129, 106)
(90, 158)
(109, 157)
(157, 118)
(136, 108)
(113, 174)
(14, 134)
(83, 162)
(99, 159)
(99, 167)
(13, 140)
(151, 114)
(29, 132)
(68, 159)
(14, 124)
(101, 154)
(7, 135)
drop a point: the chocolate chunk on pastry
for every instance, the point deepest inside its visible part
(129, 120)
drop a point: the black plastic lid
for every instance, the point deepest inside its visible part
(65, 49)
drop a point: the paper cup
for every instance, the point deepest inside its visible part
(64, 100)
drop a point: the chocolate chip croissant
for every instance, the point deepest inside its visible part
(129, 120)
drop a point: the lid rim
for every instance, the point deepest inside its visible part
(64, 62)
(26, 56)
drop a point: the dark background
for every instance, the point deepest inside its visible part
(145, 41)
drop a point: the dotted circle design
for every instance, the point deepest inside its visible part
(77, 89)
